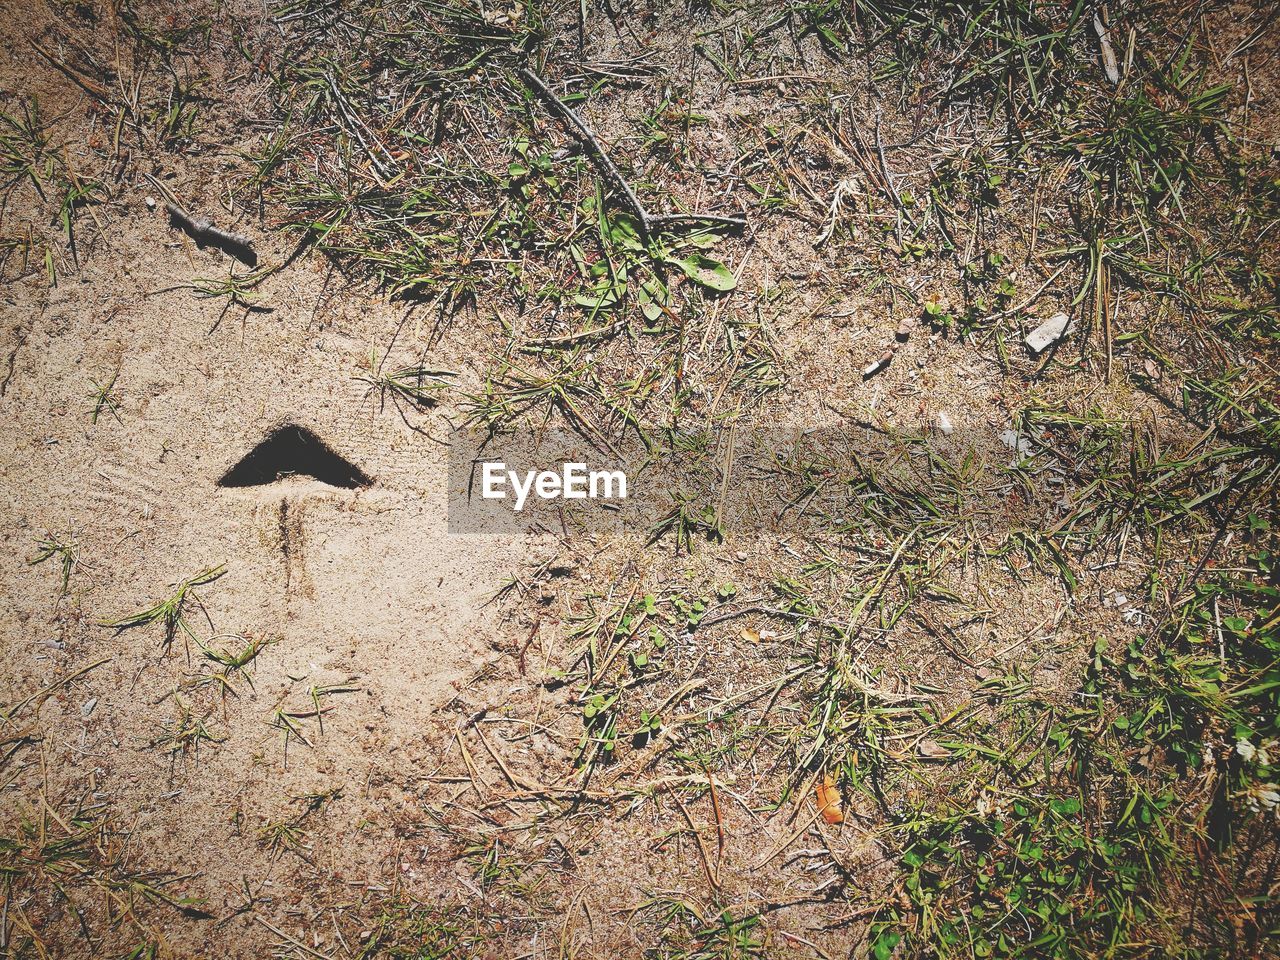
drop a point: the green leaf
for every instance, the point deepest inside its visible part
(652, 295)
(622, 231)
(884, 943)
(601, 298)
(706, 271)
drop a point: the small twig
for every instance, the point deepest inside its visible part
(1030, 300)
(1110, 66)
(715, 808)
(607, 166)
(85, 83)
(891, 188)
(738, 223)
(721, 615)
(786, 843)
(610, 170)
(570, 338)
(298, 944)
(702, 847)
(785, 77)
(203, 231)
(472, 771)
(516, 782)
(355, 124)
(884, 167)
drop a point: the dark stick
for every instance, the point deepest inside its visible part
(203, 231)
(607, 166)
(738, 223)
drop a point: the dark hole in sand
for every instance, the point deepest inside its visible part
(293, 451)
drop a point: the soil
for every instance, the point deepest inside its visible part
(404, 661)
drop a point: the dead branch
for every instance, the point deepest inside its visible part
(610, 170)
(203, 231)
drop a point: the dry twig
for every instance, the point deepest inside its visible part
(647, 221)
(203, 231)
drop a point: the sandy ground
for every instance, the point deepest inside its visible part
(386, 634)
(360, 590)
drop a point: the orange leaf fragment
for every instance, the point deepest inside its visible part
(829, 800)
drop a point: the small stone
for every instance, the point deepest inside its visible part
(1049, 332)
(945, 427)
(88, 706)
